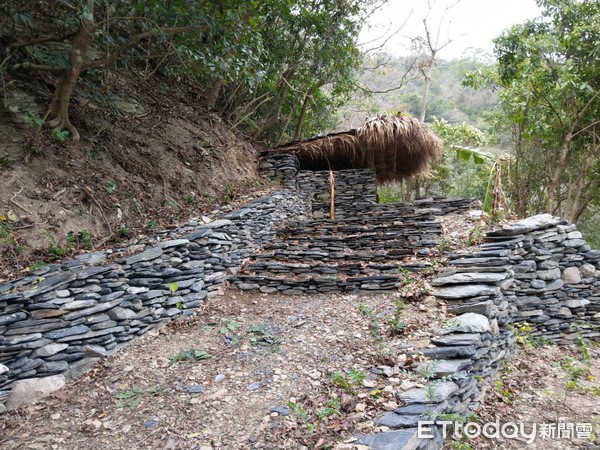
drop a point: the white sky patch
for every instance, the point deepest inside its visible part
(471, 24)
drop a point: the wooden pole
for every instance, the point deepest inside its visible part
(331, 195)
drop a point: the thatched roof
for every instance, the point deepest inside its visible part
(396, 147)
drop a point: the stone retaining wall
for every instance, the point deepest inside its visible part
(66, 315)
(537, 270)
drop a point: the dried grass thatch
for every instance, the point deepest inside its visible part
(396, 147)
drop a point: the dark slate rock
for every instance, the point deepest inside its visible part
(391, 440)
(457, 339)
(49, 284)
(471, 290)
(449, 352)
(467, 277)
(11, 318)
(64, 332)
(194, 389)
(147, 255)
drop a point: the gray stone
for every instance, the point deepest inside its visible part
(32, 389)
(392, 440)
(538, 222)
(470, 290)
(421, 409)
(194, 389)
(64, 332)
(173, 243)
(448, 352)
(267, 289)
(537, 284)
(253, 386)
(587, 270)
(247, 286)
(147, 255)
(465, 278)
(54, 367)
(551, 274)
(79, 304)
(49, 350)
(62, 293)
(457, 339)
(21, 338)
(3, 369)
(281, 410)
(436, 394)
(393, 420)
(11, 318)
(571, 275)
(445, 367)
(466, 323)
(479, 308)
(119, 313)
(573, 243)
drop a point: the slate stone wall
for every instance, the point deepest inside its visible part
(538, 271)
(55, 320)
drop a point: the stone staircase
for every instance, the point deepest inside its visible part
(367, 253)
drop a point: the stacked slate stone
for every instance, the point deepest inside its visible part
(280, 167)
(465, 349)
(362, 254)
(557, 282)
(468, 348)
(355, 192)
(57, 319)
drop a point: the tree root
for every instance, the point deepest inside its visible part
(59, 124)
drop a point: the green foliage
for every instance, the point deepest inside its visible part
(111, 187)
(550, 100)
(37, 266)
(151, 224)
(60, 135)
(350, 381)
(374, 328)
(132, 397)
(444, 245)
(32, 118)
(228, 193)
(262, 336)
(80, 240)
(395, 322)
(525, 340)
(190, 355)
(123, 231)
(173, 287)
(475, 235)
(389, 193)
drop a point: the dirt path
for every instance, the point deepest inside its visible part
(269, 353)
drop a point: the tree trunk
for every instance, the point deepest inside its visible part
(59, 107)
(425, 96)
(213, 95)
(302, 115)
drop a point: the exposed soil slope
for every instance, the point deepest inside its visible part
(150, 155)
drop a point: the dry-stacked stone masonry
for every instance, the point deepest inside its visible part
(60, 319)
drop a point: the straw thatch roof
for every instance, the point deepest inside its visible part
(396, 147)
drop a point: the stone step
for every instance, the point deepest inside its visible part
(296, 285)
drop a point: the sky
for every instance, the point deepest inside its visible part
(470, 24)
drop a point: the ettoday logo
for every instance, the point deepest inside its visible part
(507, 430)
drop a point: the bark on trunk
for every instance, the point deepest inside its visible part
(59, 107)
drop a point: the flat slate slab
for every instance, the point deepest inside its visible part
(391, 440)
(466, 277)
(465, 291)
(437, 394)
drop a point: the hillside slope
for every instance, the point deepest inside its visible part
(150, 155)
